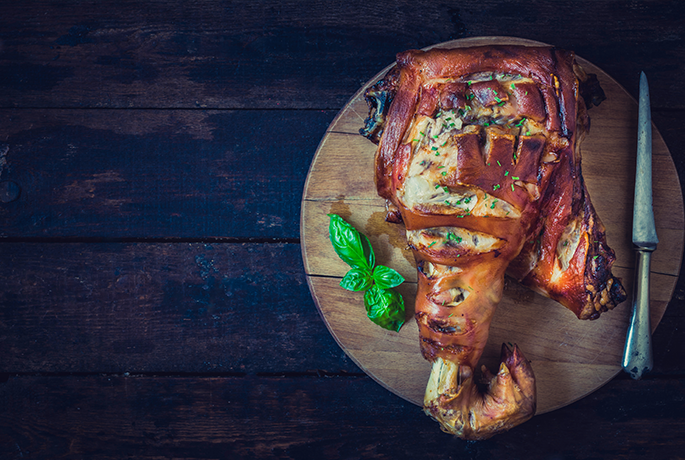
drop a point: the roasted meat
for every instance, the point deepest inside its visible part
(479, 156)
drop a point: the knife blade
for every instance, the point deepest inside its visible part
(637, 355)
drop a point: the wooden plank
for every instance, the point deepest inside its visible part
(182, 308)
(109, 417)
(150, 174)
(216, 308)
(296, 54)
(156, 174)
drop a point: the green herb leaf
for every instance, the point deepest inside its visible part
(385, 307)
(357, 279)
(350, 245)
(386, 278)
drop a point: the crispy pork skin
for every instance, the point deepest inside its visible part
(479, 156)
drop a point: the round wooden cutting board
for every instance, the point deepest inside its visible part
(571, 358)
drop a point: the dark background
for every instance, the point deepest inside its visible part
(153, 302)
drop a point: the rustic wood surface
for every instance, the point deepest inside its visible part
(153, 157)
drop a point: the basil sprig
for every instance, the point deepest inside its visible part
(384, 306)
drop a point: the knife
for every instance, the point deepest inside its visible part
(637, 355)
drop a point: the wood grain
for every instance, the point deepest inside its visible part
(183, 308)
(160, 308)
(112, 417)
(571, 358)
(295, 54)
(155, 173)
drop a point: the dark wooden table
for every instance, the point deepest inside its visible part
(153, 301)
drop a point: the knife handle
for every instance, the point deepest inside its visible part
(637, 356)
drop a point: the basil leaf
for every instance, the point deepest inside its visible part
(385, 307)
(357, 279)
(350, 245)
(386, 278)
